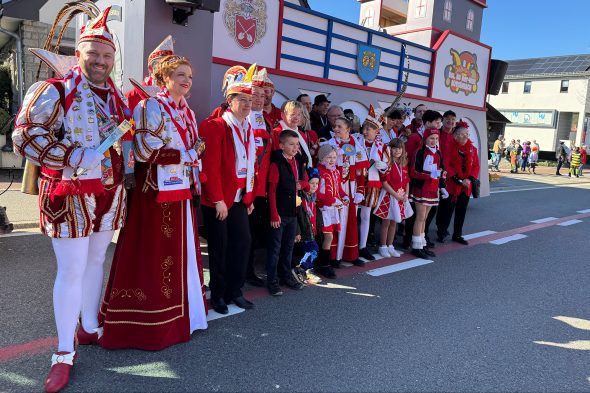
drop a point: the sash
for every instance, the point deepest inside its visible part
(245, 157)
(374, 154)
(174, 181)
(261, 135)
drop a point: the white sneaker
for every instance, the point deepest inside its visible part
(393, 252)
(384, 252)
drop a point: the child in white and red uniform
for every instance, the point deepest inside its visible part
(330, 198)
(425, 175)
(393, 206)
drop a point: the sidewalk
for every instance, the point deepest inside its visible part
(22, 209)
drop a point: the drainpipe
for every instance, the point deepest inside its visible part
(19, 63)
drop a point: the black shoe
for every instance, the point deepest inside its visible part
(358, 262)
(419, 253)
(407, 246)
(291, 283)
(274, 288)
(256, 281)
(429, 244)
(241, 302)
(460, 240)
(558, 174)
(335, 264)
(365, 253)
(326, 271)
(219, 305)
(428, 252)
(440, 239)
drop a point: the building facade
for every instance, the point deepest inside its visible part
(547, 100)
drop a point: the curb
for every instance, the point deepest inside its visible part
(26, 224)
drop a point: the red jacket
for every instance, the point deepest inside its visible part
(273, 117)
(134, 97)
(445, 142)
(219, 164)
(461, 162)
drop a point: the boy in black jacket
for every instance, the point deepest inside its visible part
(286, 176)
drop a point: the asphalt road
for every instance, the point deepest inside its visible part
(487, 317)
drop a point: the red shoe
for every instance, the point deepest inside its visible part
(59, 374)
(85, 338)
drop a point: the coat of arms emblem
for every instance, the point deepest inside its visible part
(245, 20)
(368, 61)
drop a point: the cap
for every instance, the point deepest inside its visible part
(320, 99)
(165, 48)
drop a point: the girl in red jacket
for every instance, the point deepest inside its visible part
(425, 173)
(330, 199)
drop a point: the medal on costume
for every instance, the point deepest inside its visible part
(348, 150)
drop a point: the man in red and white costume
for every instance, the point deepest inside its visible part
(369, 182)
(271, 112)
(148, 88)
(79, 215)
(352, 159)
(260, 217)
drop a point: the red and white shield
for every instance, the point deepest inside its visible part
(245, 31)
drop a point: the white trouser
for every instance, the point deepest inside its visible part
(78, 284)
(365, 223)
(196, 307)
(342, 234)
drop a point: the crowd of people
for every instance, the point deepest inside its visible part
(525, 156)
(294, 180)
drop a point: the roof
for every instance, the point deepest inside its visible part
(573, 64)
(494, 116)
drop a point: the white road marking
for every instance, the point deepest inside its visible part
(398, 267)
(153, 370)
(542, 220)
(504, 240)
(584, 211)
(15, 234)
(569, 222)
(346, 264)
(478, 234)
(233, 310)
(522, 189)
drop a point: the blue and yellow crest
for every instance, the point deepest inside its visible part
(367, 62)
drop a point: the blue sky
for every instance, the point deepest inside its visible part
(515, 29)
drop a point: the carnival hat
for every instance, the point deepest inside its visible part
(372, 117)
(238, 80)
(261, 79)
(165, 48)
(96, 30)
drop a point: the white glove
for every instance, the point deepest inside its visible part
(444, 193)
(189, 157)
(85, 158)
(358, 198)
(435, 174)
(381, 165)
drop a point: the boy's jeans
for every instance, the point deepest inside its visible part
(280, 249)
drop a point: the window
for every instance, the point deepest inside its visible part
(505, 87)
(448, 11)
(369, 17)
(565, 85)
(420, 9)
(527, 87)
(470, 18)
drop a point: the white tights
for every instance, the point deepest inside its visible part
(365, 223)
(78, 284)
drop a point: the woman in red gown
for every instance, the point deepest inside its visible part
(154, 297)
